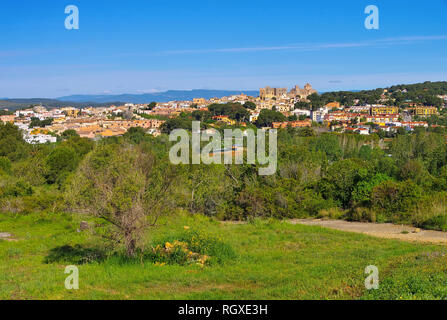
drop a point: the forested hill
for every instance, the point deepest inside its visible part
(424, 93)
(435, 88)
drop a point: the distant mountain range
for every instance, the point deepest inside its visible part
(166, 96)
(79, 101)
(15, 104)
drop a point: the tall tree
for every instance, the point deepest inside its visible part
(126, 186)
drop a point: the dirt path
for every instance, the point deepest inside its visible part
(382, 230)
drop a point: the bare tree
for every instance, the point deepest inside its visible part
(125, 186)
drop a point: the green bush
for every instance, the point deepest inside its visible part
(16, 189)
(393, 197)
(177, 252)
(5, 164)
(61, 161)
(33, 170)
(331, 213)
(196, 242)
(362, 214)
(436, 223)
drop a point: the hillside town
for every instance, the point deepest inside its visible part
(41, 124)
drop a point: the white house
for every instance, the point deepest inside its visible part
(25, 113)
(301, 112)
(39, 139)
(318, 116)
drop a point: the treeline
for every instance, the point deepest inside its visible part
(319, 175)
(234, 111)
(400, 95)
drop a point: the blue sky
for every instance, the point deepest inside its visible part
(139, 46)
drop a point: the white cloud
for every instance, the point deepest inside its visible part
(316, 46)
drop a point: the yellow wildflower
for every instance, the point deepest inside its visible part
(168, 245)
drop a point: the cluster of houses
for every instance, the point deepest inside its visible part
(93, 123)
(370, 118)
(99, 122)
(363, 119)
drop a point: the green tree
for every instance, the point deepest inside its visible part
(36, 122)
(151, 105)
(5, 164)
(176, 123)
(306, 132)
(302, 105)
(267, 117)
(135, 135)
(234, 111)
(341, 179)
(60, 162)
(12, 144)
(250, 105)
(292, 118)
(362, 191)
(316, 101)
(69, 133)
(393, 197)
(329, 144)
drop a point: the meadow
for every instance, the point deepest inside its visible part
(270, 260)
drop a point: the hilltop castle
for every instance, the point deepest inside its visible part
(296, 92)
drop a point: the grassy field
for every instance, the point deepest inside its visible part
(274, 260)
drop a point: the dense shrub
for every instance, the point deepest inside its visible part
(362, 214)
(436, 223)
(191, 246)
(10, 187)
(60, 162)
(395, 197)
(177, 252)
(5, 165)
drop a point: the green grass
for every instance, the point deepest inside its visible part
(273, 260)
